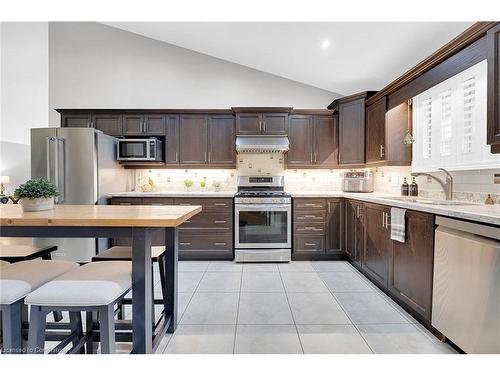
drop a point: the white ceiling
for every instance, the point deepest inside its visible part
(361, 56)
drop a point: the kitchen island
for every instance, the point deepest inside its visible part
(139, 223)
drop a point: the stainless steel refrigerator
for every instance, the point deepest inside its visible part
(82, 163)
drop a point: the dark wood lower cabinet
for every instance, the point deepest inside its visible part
(354, 230)
(377, 243)
(334, 225)
(207, 235)
(411, 264)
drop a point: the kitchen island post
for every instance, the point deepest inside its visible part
(136, 222)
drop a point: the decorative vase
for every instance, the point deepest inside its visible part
(37, 204)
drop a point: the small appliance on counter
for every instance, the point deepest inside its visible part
(358, 182)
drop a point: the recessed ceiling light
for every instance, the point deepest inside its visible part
(325, 44)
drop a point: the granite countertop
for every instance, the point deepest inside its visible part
(471, 211)
(476, 212)
(180, 194)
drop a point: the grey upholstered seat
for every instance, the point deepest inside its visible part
(125, 253)
(16, 253)
(19, 279)
(3, 263)
(93, 284)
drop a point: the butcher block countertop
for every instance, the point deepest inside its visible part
(98, 216)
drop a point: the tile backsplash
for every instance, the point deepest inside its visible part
(468, 185)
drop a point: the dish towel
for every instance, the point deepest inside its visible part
(398, 229)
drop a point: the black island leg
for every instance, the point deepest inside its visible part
(142, 324)
(171, 261)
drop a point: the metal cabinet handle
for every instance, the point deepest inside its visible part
(312, 228)
(187, 221)
(310, 216)
(209, 157)
(311, 157)
(315, 157)
(381, 151)
(383, 220)
(220, 244)
(220, 204)
(387, 221)
(185, 243)
(205, 156)
(176, 156)
(220, 221)
(357, 211)
(309, 244)
(125, 204)
(260, 126)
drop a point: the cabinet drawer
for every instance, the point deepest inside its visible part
(210, 220)
(309, 228)
(316, 215)
(125, 201)
(309, 204)
(205, 240)
(309, 244)
(208, 204)
(158, 201)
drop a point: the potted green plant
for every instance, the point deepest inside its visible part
(203, 184)
(188, 184)
(216, 184)
(36, 195)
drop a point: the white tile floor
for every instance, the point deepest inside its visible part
(298, 307)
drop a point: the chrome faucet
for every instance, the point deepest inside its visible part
(447, 185)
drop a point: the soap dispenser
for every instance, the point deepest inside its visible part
(404, 188)
(413, 192)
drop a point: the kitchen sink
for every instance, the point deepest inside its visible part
(433, 202)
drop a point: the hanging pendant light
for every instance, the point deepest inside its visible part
(408, 138)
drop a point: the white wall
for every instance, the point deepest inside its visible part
(97, 66)
(24, 93)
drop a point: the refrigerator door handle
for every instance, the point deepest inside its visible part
(47, 151)
(61, 170)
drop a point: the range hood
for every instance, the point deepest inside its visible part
(262, 144)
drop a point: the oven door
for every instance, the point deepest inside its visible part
(134, 149)
(263, 226)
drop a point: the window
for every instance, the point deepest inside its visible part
(449, 124)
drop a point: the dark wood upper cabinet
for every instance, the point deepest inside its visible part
(154, 124)
(325, 141)
(76, 120)
(313, 141)
(274, 123)
(300, 135)
(248, 123)
(193, 139)
(261, 120)
(377, 243)
(411, 268)
(352, 132)
(133, 124)
(221, 140)
(375, 131)
(493, 112)
(398, 121)
(108, 123)
(334, 225)
(172, 140)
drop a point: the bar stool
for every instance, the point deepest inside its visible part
(16, 281)
(124, 253)
(94, 287)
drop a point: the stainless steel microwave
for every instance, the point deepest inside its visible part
(140, 149)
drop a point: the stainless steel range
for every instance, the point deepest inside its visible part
(263, 220)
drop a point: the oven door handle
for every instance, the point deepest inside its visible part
(264, 207)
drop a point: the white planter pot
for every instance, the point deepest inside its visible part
(37, 204)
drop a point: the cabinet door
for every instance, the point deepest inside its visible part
(155, 124)
(411, 271)
(398, 121)
(193, 139)
(334, 225)
(349, 232)
(108, 123)
(352, 132)
(221, 140)
(172, 140)
(248, 123)
(377, 244)
(274, 123)
(325, 141)
(79, 120)
(133, 124)
(375, 131)
(300, 133)
(493, 115)
(359, 233)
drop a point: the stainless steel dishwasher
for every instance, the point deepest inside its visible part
(466, 291)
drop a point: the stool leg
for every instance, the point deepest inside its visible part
(75, 321)
(36, 336)
(90, 318)
(107, 329)
(12, 328)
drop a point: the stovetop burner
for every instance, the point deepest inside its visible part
(261, 193)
